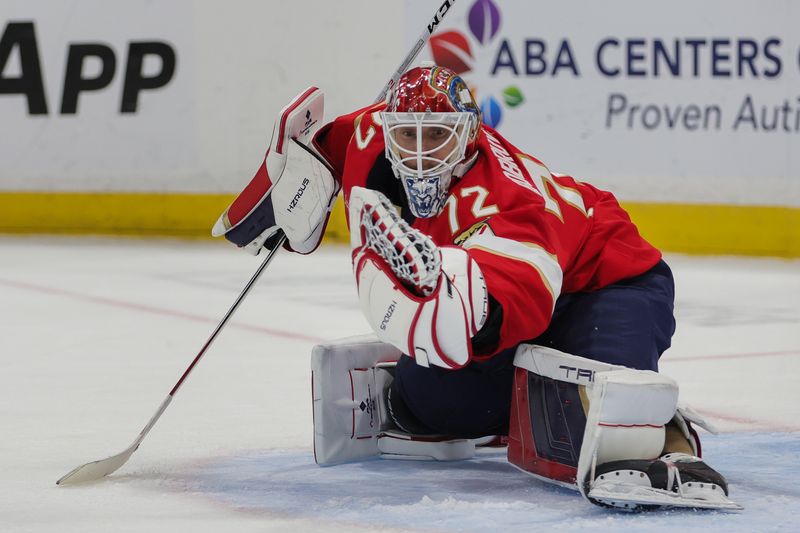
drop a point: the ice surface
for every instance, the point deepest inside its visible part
(95, 332)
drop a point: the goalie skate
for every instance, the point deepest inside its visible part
(674, 480)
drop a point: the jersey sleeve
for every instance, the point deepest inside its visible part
(613, 250)
(334, 139)
(523, 275)
(331, 143)
(550, 235)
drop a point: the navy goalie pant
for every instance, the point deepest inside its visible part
(629, 323)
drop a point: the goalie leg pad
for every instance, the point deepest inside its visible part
(610, 447)
(549, 411)
(349, 381)
(571, 413)
(628, 411)
(347, 396)
(407, 447)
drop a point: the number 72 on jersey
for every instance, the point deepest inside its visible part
(540, 178)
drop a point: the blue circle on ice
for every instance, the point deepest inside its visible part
(387, 493)
(486, 493)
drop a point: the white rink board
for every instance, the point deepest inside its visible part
(96, 147)
(654, 101)
(238, 64)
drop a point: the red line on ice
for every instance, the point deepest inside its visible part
(156, 310)
(752, 423)
(669, 359)
(755, 424)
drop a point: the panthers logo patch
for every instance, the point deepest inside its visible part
(475, 229)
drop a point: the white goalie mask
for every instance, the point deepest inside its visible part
(426, 150)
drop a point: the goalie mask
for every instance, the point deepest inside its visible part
(431, 126)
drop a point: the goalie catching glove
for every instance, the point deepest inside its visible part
(428, 301)
(293, 189)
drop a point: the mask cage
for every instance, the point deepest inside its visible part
(413, 156)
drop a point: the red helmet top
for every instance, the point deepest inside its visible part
(436, 90)
(431, 125)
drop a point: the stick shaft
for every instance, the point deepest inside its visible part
(111, 464)
(229, 314)
(97, 469)
(418, 45)
(163, 407)
(267, 260)
(410, 57)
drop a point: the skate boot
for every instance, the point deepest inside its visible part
(673, 480)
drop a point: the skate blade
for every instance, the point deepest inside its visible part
(637, 497)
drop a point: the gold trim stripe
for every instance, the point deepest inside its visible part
(536, 267)
(686, 228)
(541, 249)
(146, 214)
(132, 214)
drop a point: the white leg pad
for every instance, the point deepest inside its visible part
(346, 390)
(627, 408)
(627, 413)
(351, 422)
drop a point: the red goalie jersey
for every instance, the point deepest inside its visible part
(533, 233)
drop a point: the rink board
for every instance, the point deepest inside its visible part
(688, 228)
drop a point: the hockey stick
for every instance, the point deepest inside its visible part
(421, 41)
(99, 469)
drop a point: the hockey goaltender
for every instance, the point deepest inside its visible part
(509, 304)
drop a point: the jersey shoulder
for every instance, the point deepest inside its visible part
(523, 177)
(504, 170)
(334, 138)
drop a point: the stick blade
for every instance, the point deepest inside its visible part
(96, 469)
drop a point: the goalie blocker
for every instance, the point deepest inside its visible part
(293, 190)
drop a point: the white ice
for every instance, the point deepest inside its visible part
(95, 332)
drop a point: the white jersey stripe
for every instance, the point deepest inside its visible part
(543, 262)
